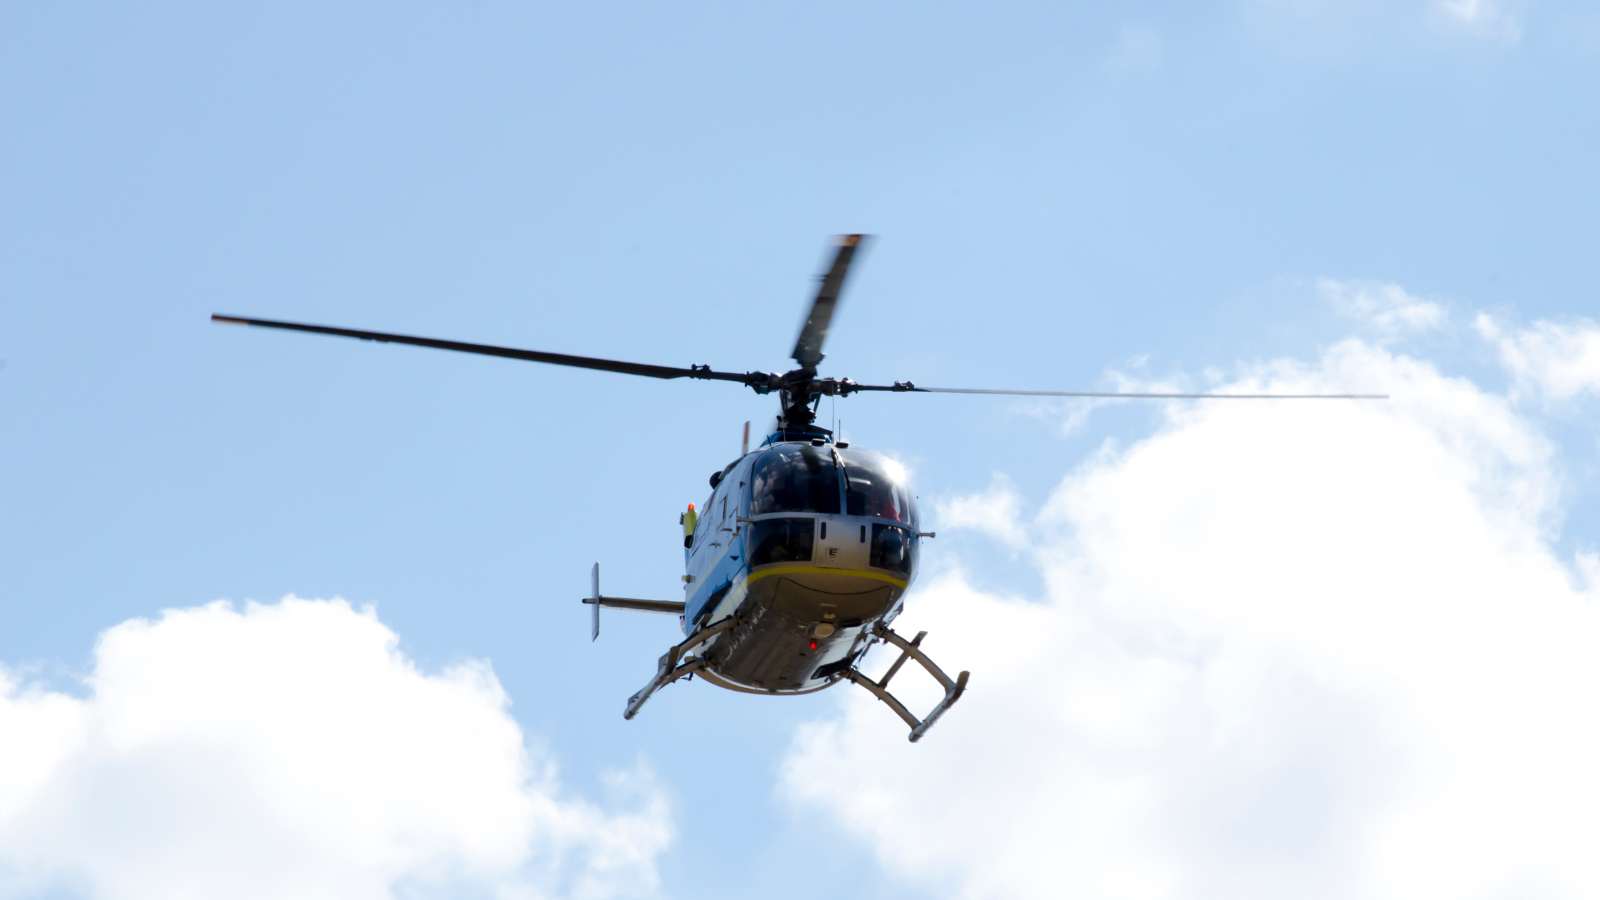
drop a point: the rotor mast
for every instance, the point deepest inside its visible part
(799, 390)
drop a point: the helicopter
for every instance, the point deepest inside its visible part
(799, 562)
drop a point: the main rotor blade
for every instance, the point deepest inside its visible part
(907, 387)
(808, 346)
(559, 359)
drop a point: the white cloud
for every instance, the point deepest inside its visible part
(1347, 25)
(1310, 650)
(1387, 309)
(1489, 18)
(1071, 415)
(291, 750)
(1067, 416)
(1560, 360)
(995, 512)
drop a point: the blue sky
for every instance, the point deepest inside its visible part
(1060, 193)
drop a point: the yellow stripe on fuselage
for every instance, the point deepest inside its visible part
(802, 569)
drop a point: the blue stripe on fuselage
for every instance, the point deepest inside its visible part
(712, 585)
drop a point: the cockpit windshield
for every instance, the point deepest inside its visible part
(875, 486)
(794, 478)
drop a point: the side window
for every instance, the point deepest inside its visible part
(781, 540)
(891, 548)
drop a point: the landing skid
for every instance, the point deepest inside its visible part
(670, 669)
(910, 650)
(676, 664)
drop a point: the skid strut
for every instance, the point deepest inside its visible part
(670, 669)
(912, 649)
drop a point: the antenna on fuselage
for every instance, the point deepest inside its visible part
(744, 443)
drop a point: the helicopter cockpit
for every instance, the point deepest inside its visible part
(794, 478)
(875, 487)
(790, 478)
(821, 481)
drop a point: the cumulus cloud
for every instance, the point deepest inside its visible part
(292, 750)
(1388, 309)
(995, 512)
(1347, 24)
(1490, 18)
(1311, 650)
(1559, 360)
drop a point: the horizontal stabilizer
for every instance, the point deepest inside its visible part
(674, 607)
(661, 606)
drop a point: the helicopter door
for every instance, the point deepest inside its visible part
(840, 543)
